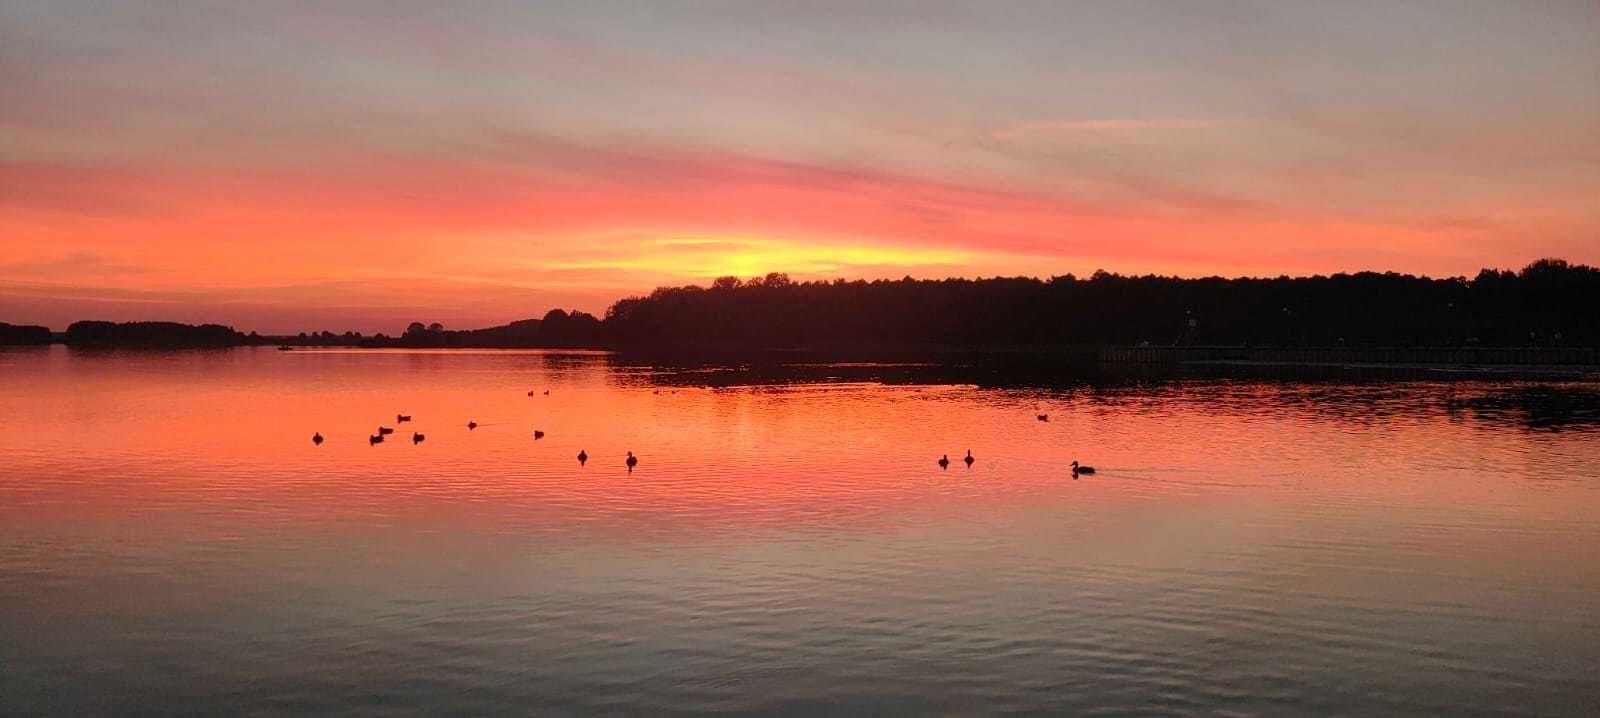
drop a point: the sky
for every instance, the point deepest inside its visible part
(297, 166)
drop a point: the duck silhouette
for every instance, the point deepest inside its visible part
(1044, 417)
(401, 418)
(632, 461)
(537, 435)
(1080, 468)
(530, 392)
(385, 431)
(375, 439)
(969, 458)
(472, 425)
(317, 439)
(417, 438)
(583, 457)
(944, 461)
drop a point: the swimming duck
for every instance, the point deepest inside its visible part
(375, 439)
(472, 425)
(417, 438)
(632, 461)
(537, 435)
(944, 461)
(583, 457)
(1044, 417)
(969, 458)
(316, 439)
(385, 431)
(1081, 469)
(401, 418)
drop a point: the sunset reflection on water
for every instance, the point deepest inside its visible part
(170, 537)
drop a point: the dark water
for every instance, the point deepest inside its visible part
(172, 542)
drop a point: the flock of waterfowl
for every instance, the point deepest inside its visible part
(632, 461)
(418, 437)
(1077, 468)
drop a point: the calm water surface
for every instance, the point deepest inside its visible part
(172, 542)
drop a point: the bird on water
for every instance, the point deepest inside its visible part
(317, 438)
(375, 439)
(969, 458)
(1044, 417)
(472, 425)
(632, 461)
(583, 457)
(944, 461)
(417, 438)
(385, 431)
(401, 418)
(537, 435)
(1081, 469)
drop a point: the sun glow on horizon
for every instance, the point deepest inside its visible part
(710, 256)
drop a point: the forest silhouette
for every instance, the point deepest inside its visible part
(1549, 303)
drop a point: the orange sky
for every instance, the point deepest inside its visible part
(300, 169)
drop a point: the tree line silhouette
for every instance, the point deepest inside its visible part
(558, 329)
(1548, 303)
(17, 334)
(159, 334)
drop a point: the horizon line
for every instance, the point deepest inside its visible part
(836, 280)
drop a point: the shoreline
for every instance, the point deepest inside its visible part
(1046, 364)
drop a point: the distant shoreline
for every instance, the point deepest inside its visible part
(1543, 315)
(171, 335)
(1046, 363)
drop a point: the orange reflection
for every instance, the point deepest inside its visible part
(115, 435)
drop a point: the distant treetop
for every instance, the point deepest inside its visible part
(1549, 302)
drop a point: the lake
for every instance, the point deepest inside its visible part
(171, 540)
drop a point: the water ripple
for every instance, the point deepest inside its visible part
(171, 542)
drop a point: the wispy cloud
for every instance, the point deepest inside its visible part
(1059, 127)
(77, 265)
